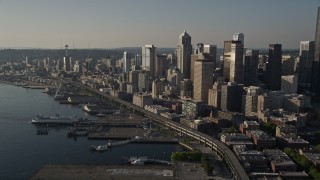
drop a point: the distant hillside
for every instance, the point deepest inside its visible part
(79, 54)
(21, 54)
(137, 50)
(117, 53)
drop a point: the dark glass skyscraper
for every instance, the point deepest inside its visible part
(250, 73)
(315, 66)
(274, 67)
(306, 57)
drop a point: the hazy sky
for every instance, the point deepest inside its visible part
(127, 23)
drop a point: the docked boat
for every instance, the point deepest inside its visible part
(102, 148)
(90, 108)
(50, 90)
(96, 109)
(56, 119)
(99, 148)
(101, 115)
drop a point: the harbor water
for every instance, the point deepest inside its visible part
(23, 152)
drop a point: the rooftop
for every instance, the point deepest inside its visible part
(313, 156)
(260, 134)
(251, 123)
(284, 161)
(157, 107)
(293, 173)
(297, 140)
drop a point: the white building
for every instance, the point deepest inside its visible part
(126, 62)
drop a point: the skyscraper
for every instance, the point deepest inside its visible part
(306, 58)
(137, 59)
(67, 62)
(250, 100)
(238, 37)
(186, 88)
(250, 73)
(174, 78)
(184, 51)
(212, 51)
(157, 88)
(214, 94)
(289, 84)
(161, 65)
(143, 82)
(288, 65)
(126, 62)
(148, 59)
(226, 60)
(233, 61)
(231, 97)
(203, 78)
(315, 65)
(199, 48)
(274, 67)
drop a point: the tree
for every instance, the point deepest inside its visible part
(269, 128)
(288, 151)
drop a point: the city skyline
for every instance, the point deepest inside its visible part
(112, 24)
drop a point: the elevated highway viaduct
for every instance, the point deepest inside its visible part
(215, 145)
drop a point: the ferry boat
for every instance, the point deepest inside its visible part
(56, 119)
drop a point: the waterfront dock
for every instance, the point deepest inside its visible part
(119, 133)
(146, 160)
(111, 144)
(35, 87)
(121, 127)
(119, 172)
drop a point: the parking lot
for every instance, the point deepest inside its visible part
(190, 171)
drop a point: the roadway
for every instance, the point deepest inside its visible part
(223, 151)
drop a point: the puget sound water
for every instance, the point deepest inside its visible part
(23, 152)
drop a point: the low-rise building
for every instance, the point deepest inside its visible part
(261, 139)
(232, 139)
(279, 161)
(296, 103)
(225, 137)
(177, 107)
(249, 125)
(287, 137)
(283, 164)
(193, 108)
(292, 142)
(172, 116)
(285, 130)
(251, 160)
(235, 118)
(313, 157)
(142, 100)
(121, 95)
(290, 175)
(219, 123)
(197, 124)
(264, 176)
(249, 145)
